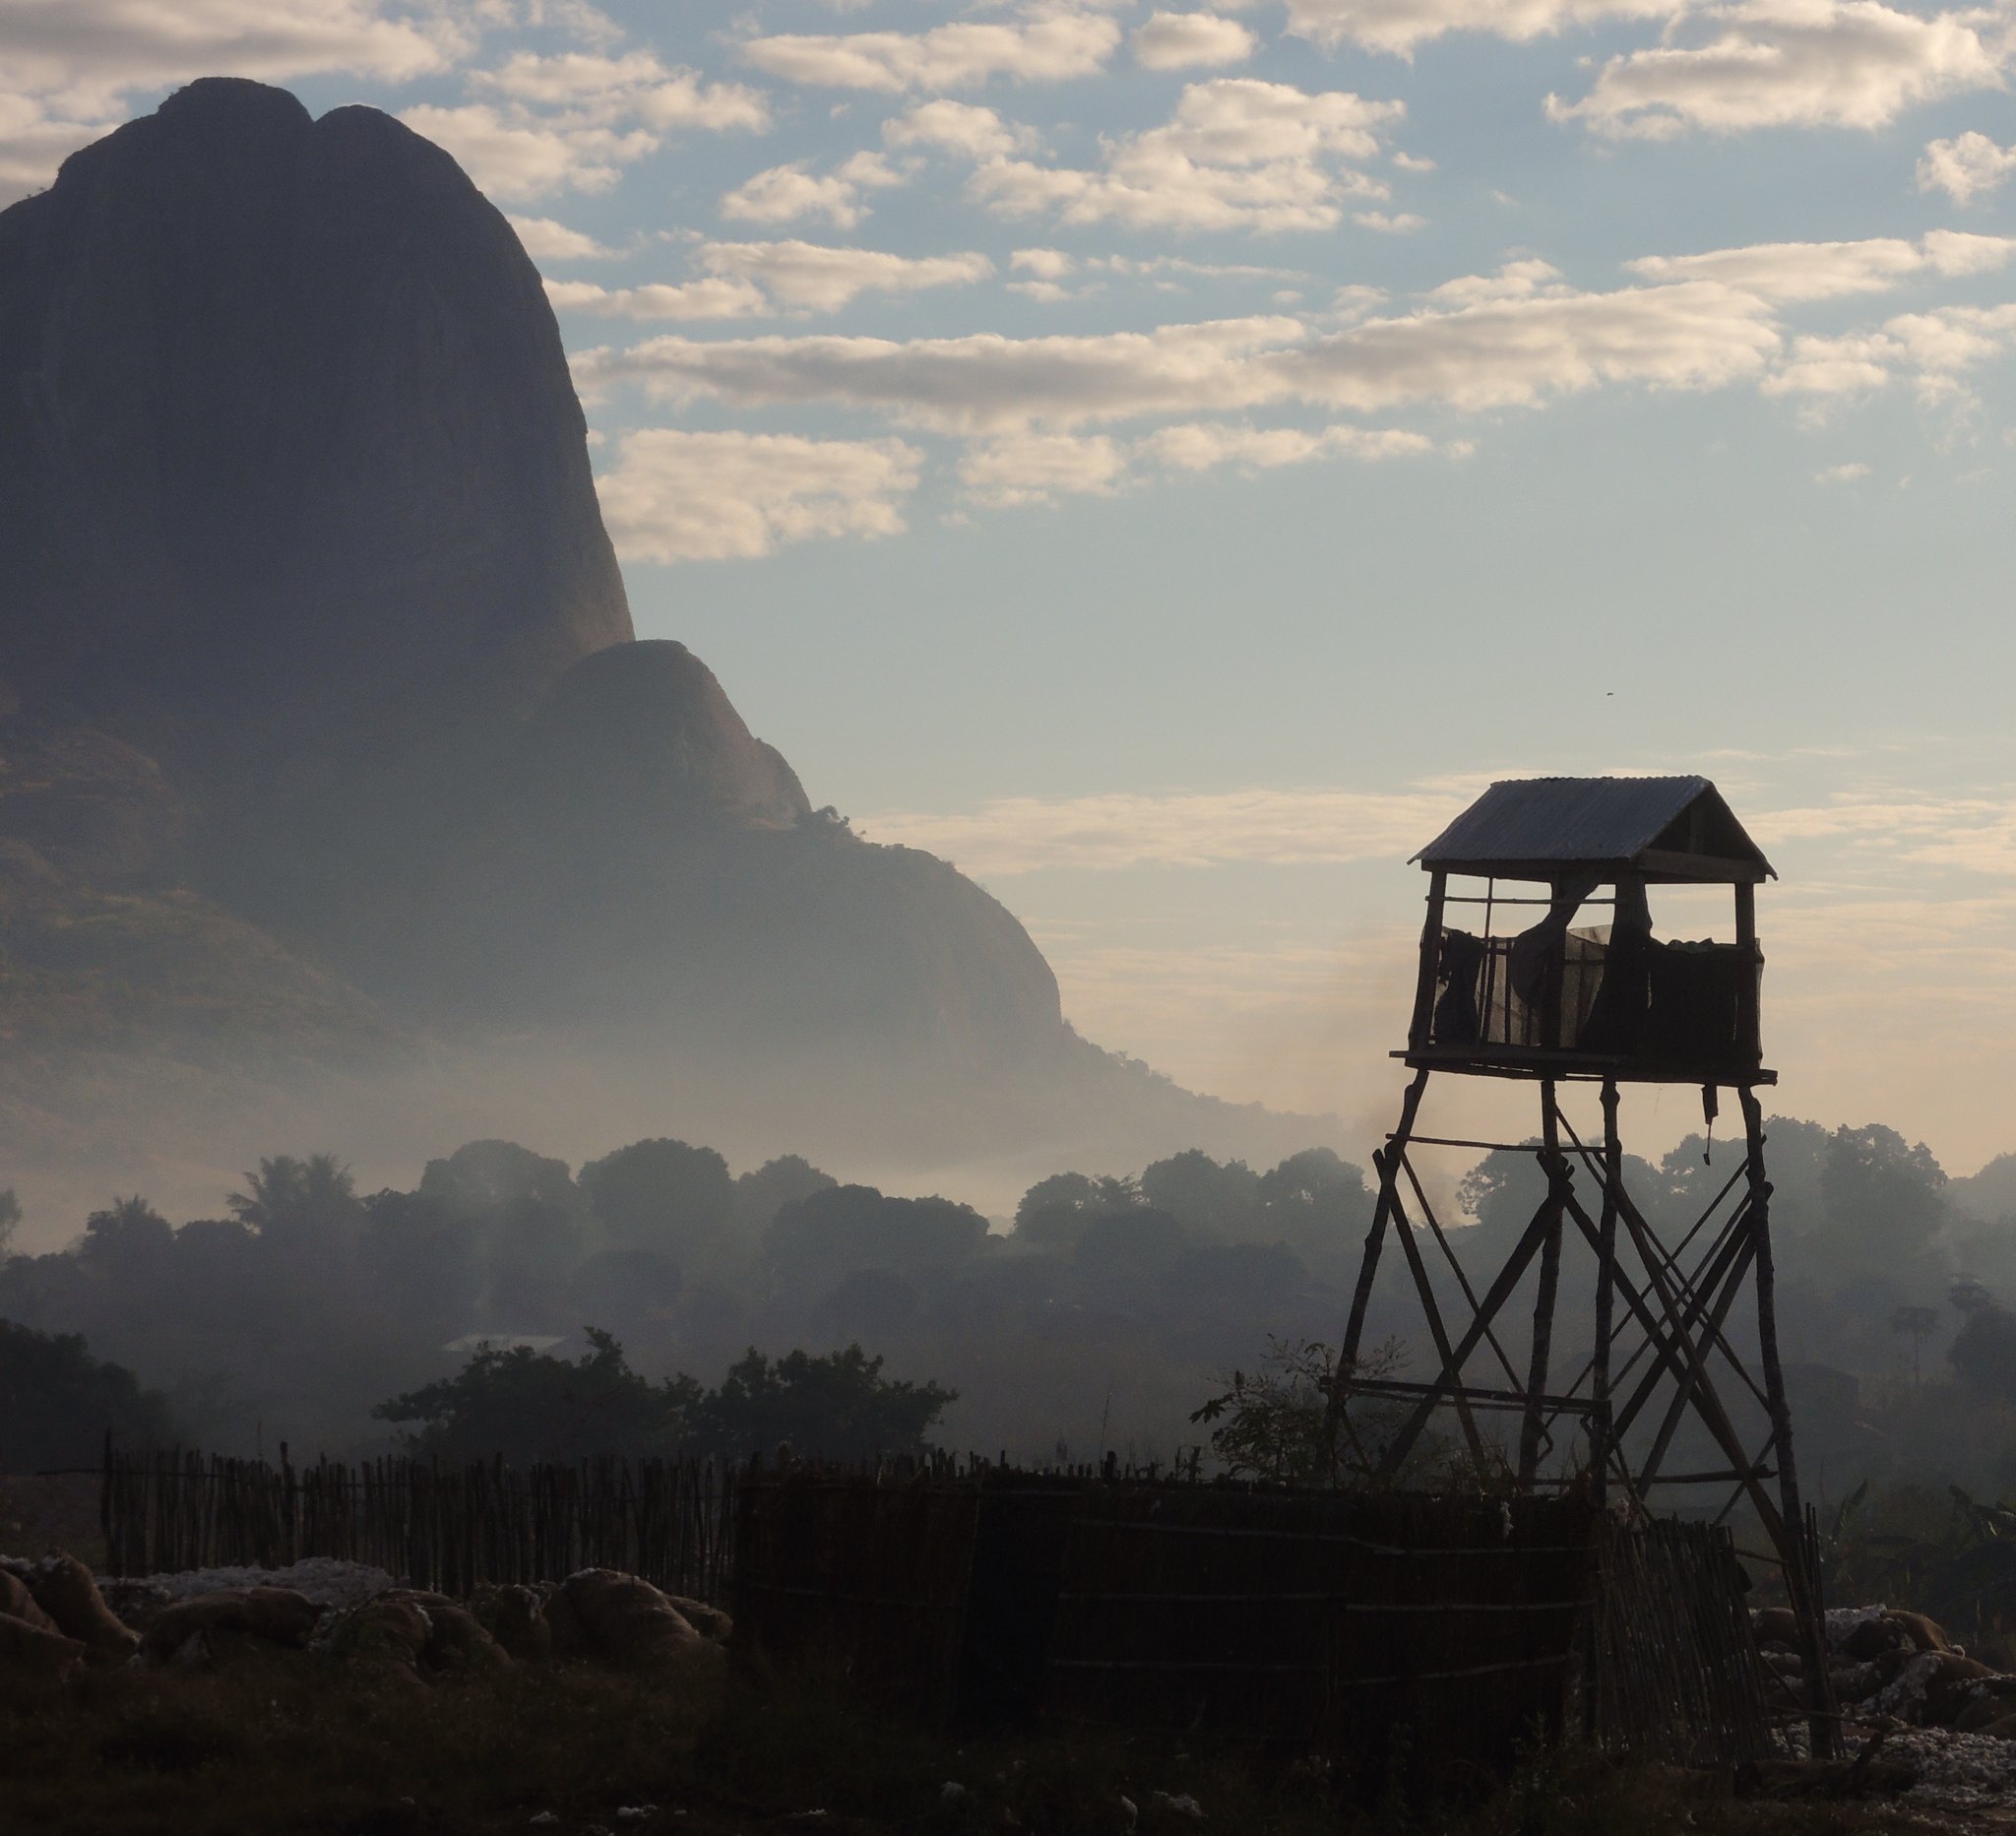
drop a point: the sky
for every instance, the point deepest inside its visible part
(1167, 460)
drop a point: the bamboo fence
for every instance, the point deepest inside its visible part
(450, 1529)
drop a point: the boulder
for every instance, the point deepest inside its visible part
(19, 1604)
(628, 1621)
(456, 1639)
(37, 1653)
(64, 1590)
(515, 1617)
(275, 1615)
(1924, 1634)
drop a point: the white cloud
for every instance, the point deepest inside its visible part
(1238, 152)
(710, 299)
(1489, 353)
(1400, 25)
(546, 241)
(815, 277)
(786, 193)
(1039, 467)
(984, 383)
(1044, 263)
(81, 60)
(1799, 270)
(1965, 169)
(963, 128)
(1202, 446)
(1185, 41)
(1934, 348)
(67, 70)
(1789, 63)
(1046, 46)
(1389, 223)
(516, 157)
(679, 496)
(634, 87)
(1847, 473)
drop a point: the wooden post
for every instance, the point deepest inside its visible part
(1802, 1582)
(1423, 1022)
(1605, 1292)
(1543, 1297)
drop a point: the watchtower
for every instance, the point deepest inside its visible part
(1511, 985)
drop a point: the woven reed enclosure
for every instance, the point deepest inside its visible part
(1318, 1622)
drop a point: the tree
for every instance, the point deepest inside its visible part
(1984, 1353)
(760, 1196)
(1885, 1199)
(296, 1203)
(1917, 1323)
(57, 1402)
(128, 1238)
(482, 1178)
(816, 1242)
(661, 1194)
(530, 1406)
(839, 1406)
(10, 1220)
(1054, 1212)
(1214, 1200)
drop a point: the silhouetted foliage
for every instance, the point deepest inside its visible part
(56, 1402)
(816, 1242)
(530, 1406)
(1984, 1353)
(839, 1406)
(761, 1194)
(662, 1196)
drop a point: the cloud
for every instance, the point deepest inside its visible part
(679, 496)
(710, 299)
(983, 383)
(1847, 473)
(1787, 63)
(1039, 467)
(517, 157)
(1399, 25)
(1965, 169)
(1389, 223)
(634, 87)
(1935, 348)
(1046, 46)
(963, 128)
(1489, 353)
(1044, 263)
(815, 277)
(1238, 152)
(1184, 40)
(786, 193)
(83, 59)
(1010, 835)
(1802, 270)
(1201, 446)
(547, 240)
(67, 70)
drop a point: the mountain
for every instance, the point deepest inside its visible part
(325, 738)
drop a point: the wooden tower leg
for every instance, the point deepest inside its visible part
(1605, 1294)
(1802, 1583)
(1549, 1280)
(1387, 1163)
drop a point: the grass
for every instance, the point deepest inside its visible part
(275, 1744)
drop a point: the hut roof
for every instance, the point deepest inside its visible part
(1665, 828)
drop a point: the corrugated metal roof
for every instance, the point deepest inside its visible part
(1583, 821)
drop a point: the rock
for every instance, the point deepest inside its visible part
(1873, 1638)
(456, 1639)
(64, 1590)
(1924, 1633)
(708, 1622)
(515, 1617)
(1776, 1626)
(37, 1653)
(19, 1604)
(629, 1623)
(381, 1632)
(273, 1615)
